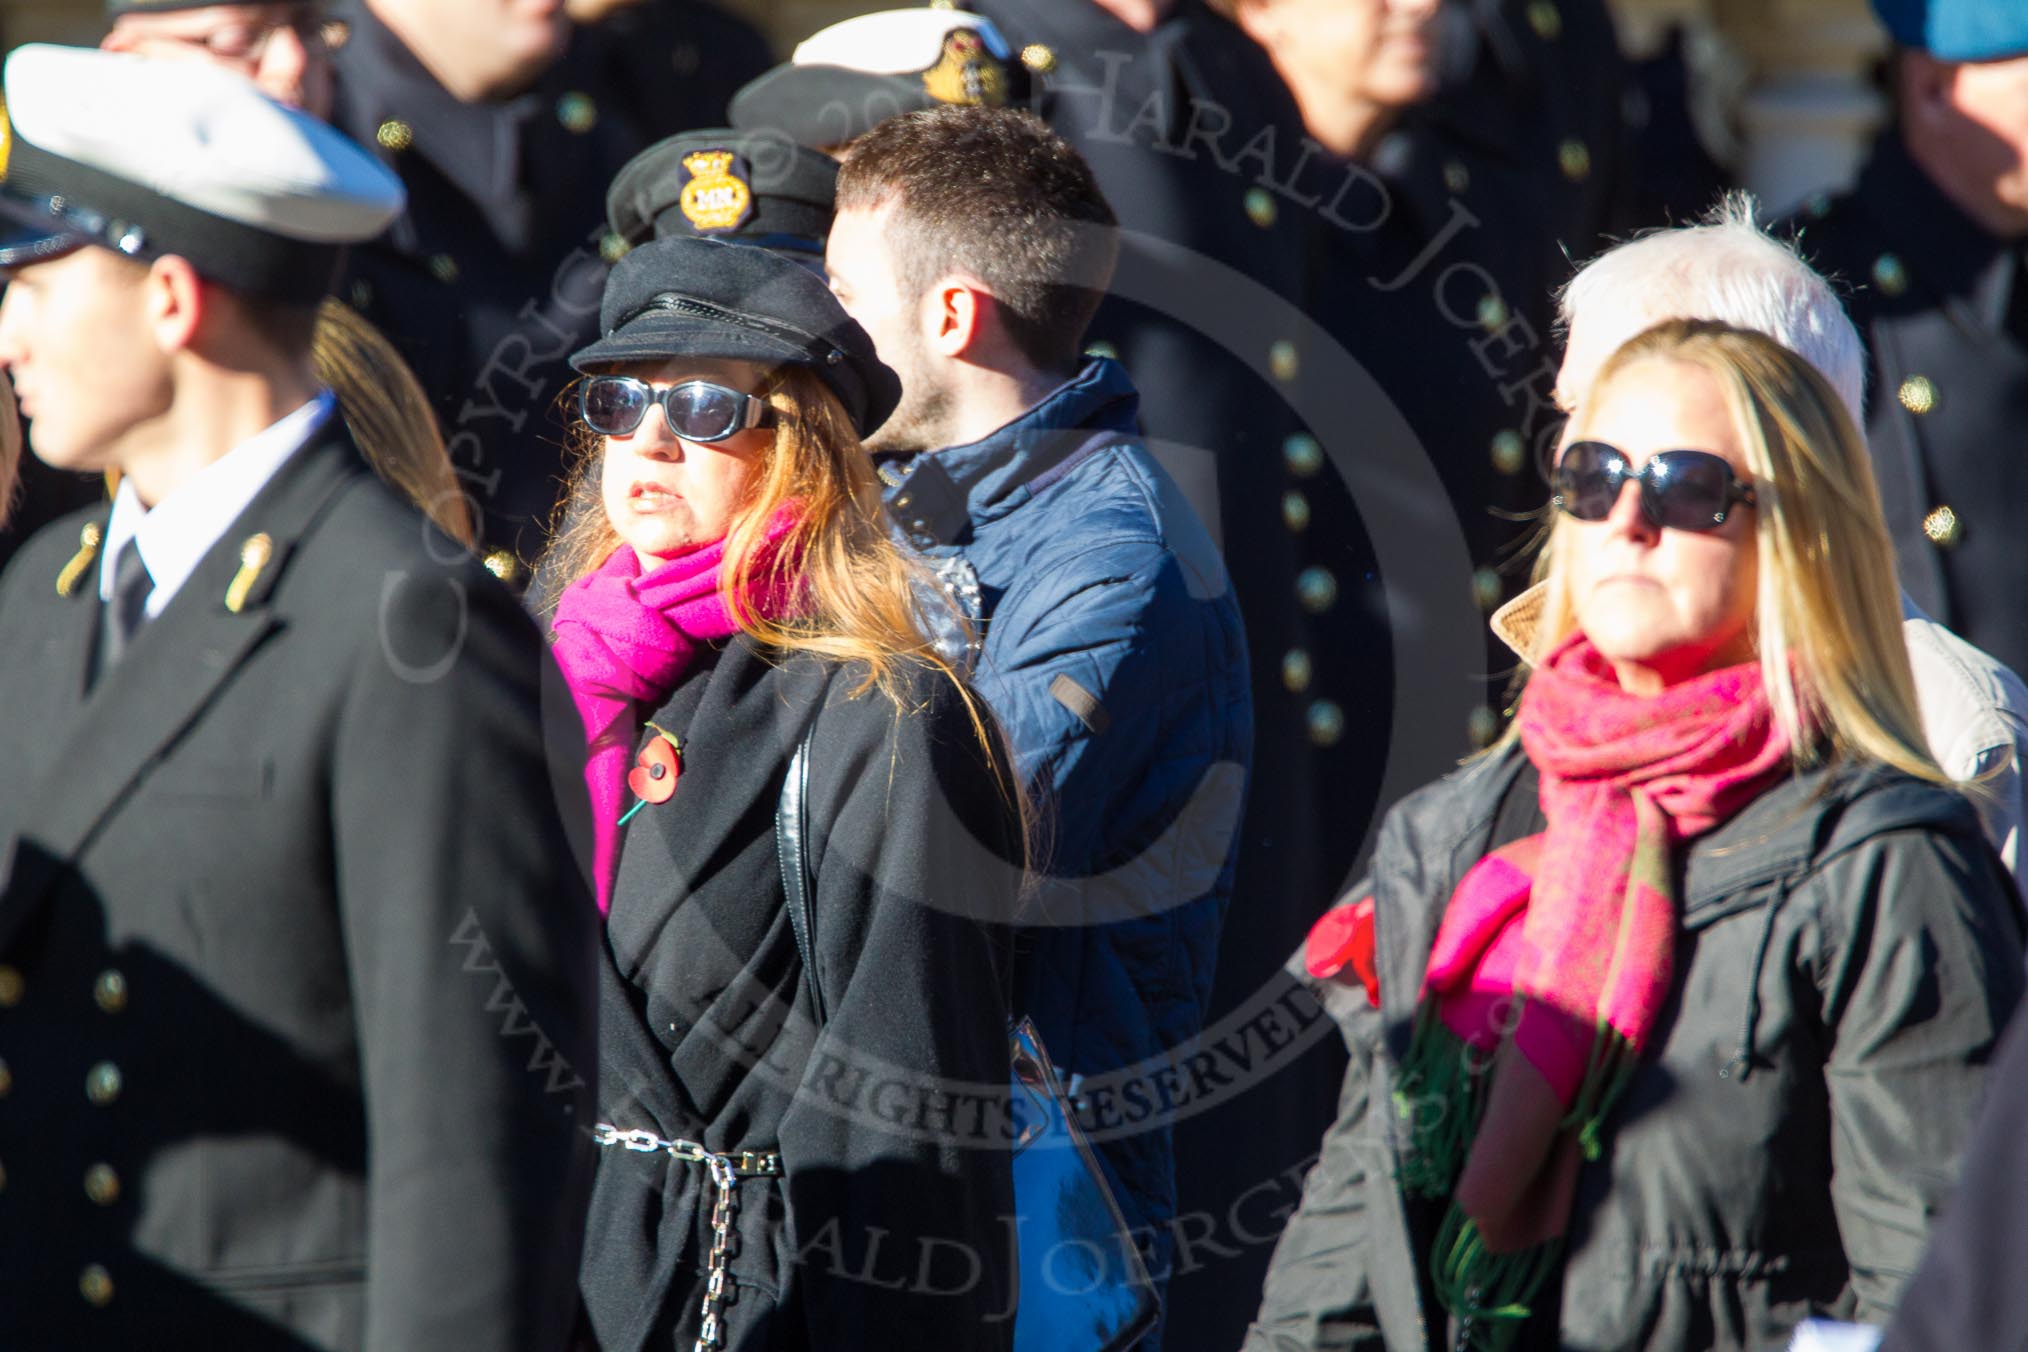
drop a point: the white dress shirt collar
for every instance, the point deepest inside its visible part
(175, 536)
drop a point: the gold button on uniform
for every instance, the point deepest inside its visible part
(1889, 275)
(1510, 453)
(394, 134)
(1457, 178)
(1325, 723)
(1492, 314)
(1574, 158)
(1943, 527)
(102, 1185)
(444, 268)
(1260, 207)
(1295, 511)
(1917, 394)
(1296, 671)
(1284, 361)
(503, 565)
(577, 112)
(1486, 589)
(1546, 20)
(1038, 58)
(613, 247)
(95, 1284)
(1303, 454)
(103, 1083)
(12, 987)
(109, 992)
(1316, 589)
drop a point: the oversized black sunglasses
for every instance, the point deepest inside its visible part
(1680, 490)
(696, 410)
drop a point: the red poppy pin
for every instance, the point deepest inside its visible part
(653, 778)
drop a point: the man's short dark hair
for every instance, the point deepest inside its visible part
(996, 195)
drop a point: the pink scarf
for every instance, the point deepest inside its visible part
(625, 638)
(1580, 924)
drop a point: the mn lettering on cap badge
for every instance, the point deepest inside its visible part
(966, 72)
(719, 195)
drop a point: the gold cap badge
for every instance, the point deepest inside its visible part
(966, 72)
(717, 197)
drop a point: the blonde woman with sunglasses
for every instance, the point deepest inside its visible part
(1688, 988)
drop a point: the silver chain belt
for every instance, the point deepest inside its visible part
(726, 1171)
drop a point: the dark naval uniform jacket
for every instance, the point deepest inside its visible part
(493, 275)
(889, 1222)
(1943, 309)
(296, 1012)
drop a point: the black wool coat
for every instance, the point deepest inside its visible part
(891, 1227)
(296, 967)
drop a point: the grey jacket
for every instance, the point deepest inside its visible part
(1849, 955)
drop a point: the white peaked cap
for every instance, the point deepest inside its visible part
(895, 41)
(153, 157)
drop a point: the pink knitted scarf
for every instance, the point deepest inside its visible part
(626, 638)
(1557, 952)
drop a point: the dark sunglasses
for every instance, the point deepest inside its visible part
(1680, 490)
(696, 410)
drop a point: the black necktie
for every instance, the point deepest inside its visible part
(122, 615)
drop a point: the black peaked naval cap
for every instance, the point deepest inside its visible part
(750, 187)
(689, 297)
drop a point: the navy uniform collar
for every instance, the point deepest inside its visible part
(474, 145)
(1945, 251)
(937, 495)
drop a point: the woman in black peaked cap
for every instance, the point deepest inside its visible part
(802, 1126)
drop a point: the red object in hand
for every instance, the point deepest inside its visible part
(653, 778)
(1344, 938)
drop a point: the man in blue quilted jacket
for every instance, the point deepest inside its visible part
(974, 245)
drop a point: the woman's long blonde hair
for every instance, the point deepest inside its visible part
(1828, 611)
(389, 416)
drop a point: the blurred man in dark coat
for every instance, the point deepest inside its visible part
(1930, 241)
(1290, 442)
(506, 125)
(295, 958)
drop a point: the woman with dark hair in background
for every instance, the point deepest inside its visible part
(801, 1129)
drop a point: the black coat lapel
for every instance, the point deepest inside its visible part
(170, 672)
